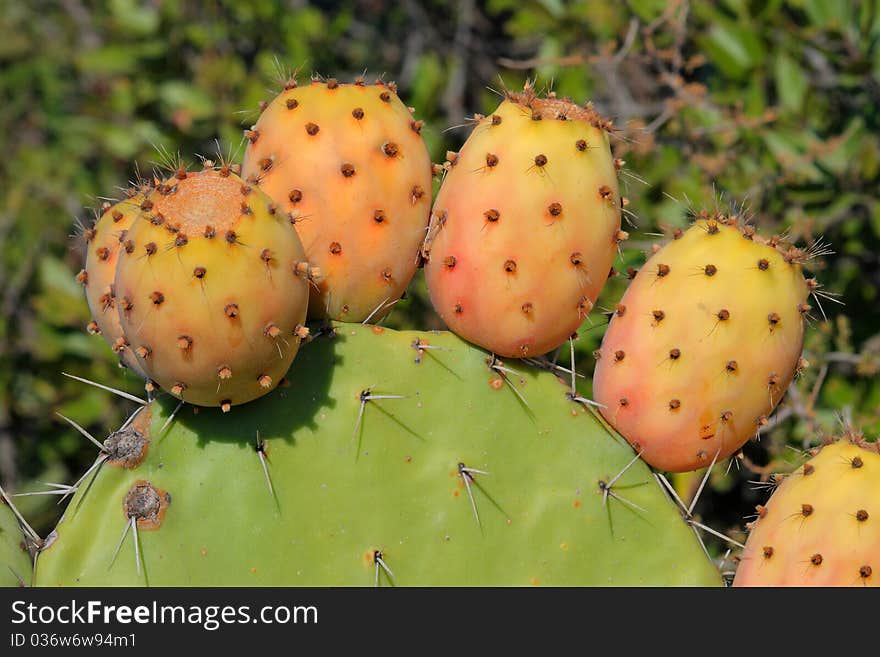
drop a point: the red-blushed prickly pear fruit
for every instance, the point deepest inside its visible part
(703, 344)
(525, 226)
(821, 526)
(104, 241)
(213, 295)
(349, 164)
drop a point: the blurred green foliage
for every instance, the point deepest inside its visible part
(772, 104)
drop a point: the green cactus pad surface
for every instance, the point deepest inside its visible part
(397, 458)
(15, 562)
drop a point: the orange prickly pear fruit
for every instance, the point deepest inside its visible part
(525, 226)
(348, 163)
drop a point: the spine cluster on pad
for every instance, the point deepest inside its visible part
(15, 561)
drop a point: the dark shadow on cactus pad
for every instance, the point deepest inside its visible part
(281, 413)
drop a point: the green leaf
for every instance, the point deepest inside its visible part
(733, 48)
(182, 96)
(134, 17)
(791, 83)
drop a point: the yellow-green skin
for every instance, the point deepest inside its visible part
(15, 562)
(518, 251)
(213, 320)
(363, 229)
(835, 539)
(104, 241)
(683, 409)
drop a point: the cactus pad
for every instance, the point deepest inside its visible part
(397, 458)
(15, 562)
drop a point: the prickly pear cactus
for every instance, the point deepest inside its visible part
(103, 242)
(15, 562)
(525, 226)
(821, 526)
(349, 164)
(392, 459)
(703, 344)
(213, 291)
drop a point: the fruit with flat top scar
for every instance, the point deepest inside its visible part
(213, 294)
(821, 526)
(525, 227)
(709, 341)
(349, 165)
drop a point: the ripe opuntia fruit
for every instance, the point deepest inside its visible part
(213, 293)
(821, 526)
(348, 162)
(703, 344)
(104, 240)
(525, 226)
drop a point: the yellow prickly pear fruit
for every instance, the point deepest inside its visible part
(213, 293)
(703, 344)
(821, 526)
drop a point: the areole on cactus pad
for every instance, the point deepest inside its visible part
(703, 344)
(392, 458)
(525, 226)
(213, 293)
(349, 164)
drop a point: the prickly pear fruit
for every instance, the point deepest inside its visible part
(821, 526)
(703, 344)
(15, 562)
(525, 226)
(349, 164)
(213, 293)
(393, 458)
(104, 241)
